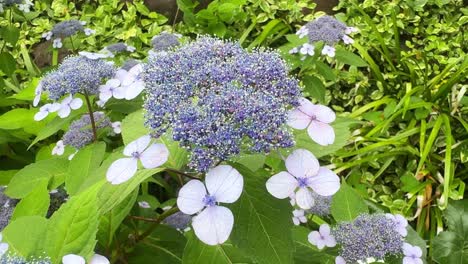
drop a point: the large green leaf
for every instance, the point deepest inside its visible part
(111, 195)
(72, 229)
(25, 235)
(314, 87)
(347, 57)
(112, 219)
(306, 253)
(17, 118)
(133, 126)
(452, 246)
(84, 165)
(35, 203)
(196, 252)
(262, 223)
(35, 174)
(347, 204)
(165, 244)
(8, 65)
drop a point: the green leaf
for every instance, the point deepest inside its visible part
(133, 127)
(347, 204)
(72, 229)
(6, 175)
(178, 157)
(165, 244)
(111, 221)
(112, 195)
(35, 203)
(17, 118)
(306, 253)
(10, 34)
(325, 71)
(25, 235)
(84, 165)
(314, 87)
(253, 162)
(8, 65)
(35, 174)
(263, 223)
(196, 252)
(347, 57)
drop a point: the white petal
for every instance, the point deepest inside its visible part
(306, 107)
(296, 221)
(302, 163)
(120, 74)
(105, 94)
(64, 111)
(3, 249)
(113, 83)
(224, 183)
(324, 230)
(190, 198)
(323, 134)
(314, 237)
(304, 198)
(298, 119)
(119, 92)
(134, 89)
(121, 170)
(340, 260)
(53, 107)
(213, 225)
(40, 115)
(98, 259)
(325, 183)
(73, 259)
(138, 145)
(128, 79)
(76, 103)
(410, 260)
(281, 185)
(36, 100)
(324, 114)
(135, 70)
(154, 156)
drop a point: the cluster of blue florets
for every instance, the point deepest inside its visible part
(219, 99)
(77, 74)
(326, 29)
(13, 259)
(368, 236)
(321, 205)
(80, 131)
(165, 41)
(67, 28)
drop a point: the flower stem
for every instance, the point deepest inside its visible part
(155, 221)
(91, 116)
(182, 173)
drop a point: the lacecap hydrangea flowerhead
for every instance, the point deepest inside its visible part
(23, 5)
(66, 29)
(218, 99)
(324, 29)
(165, 41)
(77, 74)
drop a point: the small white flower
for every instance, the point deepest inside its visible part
(316, 118)
(328, 50)
(307, 49)
(347, 40)
(37, 94)
(89, 32)
(130, 48)
(304, 173)
(299, 217)
(144, 204)
(293, 50)
(412, 254)
(322, 238)
(93, 55)
(151, 156)
(350, 30)
(302, 32)
(57, 43)
(3, 247)
(116, 126)
(400, 222)
(213, 223)
(75, 259)
(69, 104)
(112, 88)
(45, 110)
(47, 35)
(26, 6)
(59, 148)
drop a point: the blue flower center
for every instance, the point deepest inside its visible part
(303, 182)
(209, 200)
(136, 154)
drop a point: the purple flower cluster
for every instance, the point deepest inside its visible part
(80, 132)
(326, 29)
(321, 205)
(219, 99)
(77, 74)
(164, 41)
(67, 28)
(368, 236)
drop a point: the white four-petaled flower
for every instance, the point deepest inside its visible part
(151, 156)
(304, 173)
(69, 104)
(3, 246)
(307, 49)
(329, 51)
(45, 110)
(316, 118)
(322, 238)
(347, 40)
(59, 148)
(76, 259)
(299, 217)
(302, 32)
(117, 127)
(57, 43)
(400, 223)
(412, 254)
(89, 32)
(214, 223)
